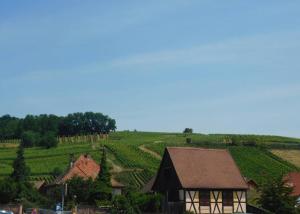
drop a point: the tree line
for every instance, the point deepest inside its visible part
(73, 124)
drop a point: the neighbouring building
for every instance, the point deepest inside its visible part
(252, 185)
(117, 187)
(85, 167)
(200, 181)
(293, 180)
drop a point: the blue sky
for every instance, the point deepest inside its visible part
(214, 66)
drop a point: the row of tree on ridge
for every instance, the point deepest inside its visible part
(43, 130)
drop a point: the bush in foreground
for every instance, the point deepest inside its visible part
(276, 197)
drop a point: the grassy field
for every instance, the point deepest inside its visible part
(134, 166)
(290, 155)
(254, 162)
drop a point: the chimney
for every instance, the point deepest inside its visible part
(86, 155)
(71, 160)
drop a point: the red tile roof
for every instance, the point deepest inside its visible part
(293, 180)
(84, 167)
(206, 168)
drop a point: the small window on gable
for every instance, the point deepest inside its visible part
(204, 198)
(227, 198)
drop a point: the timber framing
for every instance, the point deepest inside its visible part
(201, 181)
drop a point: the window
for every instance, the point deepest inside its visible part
(181, 195)
(227, 198)
(204, 198)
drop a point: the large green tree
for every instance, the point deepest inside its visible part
(20, 170)
(30, 139)
(276, 197)
(102, 185)
(48, 140)
(70, 125)
(9, 127)
(104, 174)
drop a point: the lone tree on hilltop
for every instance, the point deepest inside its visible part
(188, 131)
(20, 170)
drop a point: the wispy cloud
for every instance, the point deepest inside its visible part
(264, 49)
(269, 52)
(260, 95)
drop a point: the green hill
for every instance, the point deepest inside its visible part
(135, 156)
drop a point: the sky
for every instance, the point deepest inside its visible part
(214, 66)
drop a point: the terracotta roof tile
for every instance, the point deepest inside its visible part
(206, 168)
(84, 167)
(293, 179)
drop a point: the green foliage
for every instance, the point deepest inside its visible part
(259, 164)
(42, 161)
(123, 149)
(48, 140)
(188, 131)
(56, 172)
(275, 196)
(188, 140)
(148, 202)
(30, 139)
(121, 204)
(135, 179)
(129, 155)
(8, 190)
(21, 171)
(13, 191)
(81, 188)
(101, 191)
(86, 123)
(54, 193)
(102, 186)
(9, 127)
(72, 124)
(26, 192)
(104, 174)
(136, 202)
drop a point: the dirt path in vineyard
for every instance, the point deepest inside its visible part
(154, 154)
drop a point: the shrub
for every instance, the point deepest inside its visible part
(249, 143)
(48, 140)
(188, 140)
(30, 139)
(149, 202)
(8, 190)
(275, 196)
(56, 172)
(81, 188)
(121, 204)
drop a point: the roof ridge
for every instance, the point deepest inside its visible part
(196, 167)
(195, 148)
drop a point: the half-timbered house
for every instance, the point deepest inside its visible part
(200, 181)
